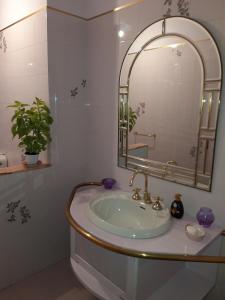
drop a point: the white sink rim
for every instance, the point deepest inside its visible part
(146, 222)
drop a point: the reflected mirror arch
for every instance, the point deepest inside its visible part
(180, 26)
(163, 102)
(133, 151)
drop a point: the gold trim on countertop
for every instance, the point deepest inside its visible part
(129, 252)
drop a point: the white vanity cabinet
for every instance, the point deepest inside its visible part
(111, 275)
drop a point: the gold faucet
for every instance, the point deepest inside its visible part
(146, 196)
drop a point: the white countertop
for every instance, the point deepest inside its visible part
(175, 241)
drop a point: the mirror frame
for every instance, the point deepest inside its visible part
(156, 168)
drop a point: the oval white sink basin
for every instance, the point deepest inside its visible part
(118, 213)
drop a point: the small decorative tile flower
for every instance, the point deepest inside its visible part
(142, 105)
(183, 7)
(83, 83)
(12, 206)
(74, 92)
(12, 210)
(167, 2)
(25, 214)
(138, 111)
(12, 218)
(176, 7)
(168, 12)
(3, 43)
(179, 52)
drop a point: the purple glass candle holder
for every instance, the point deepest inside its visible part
(108, 183)
(205, 216)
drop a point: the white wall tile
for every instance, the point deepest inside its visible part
(12, 11)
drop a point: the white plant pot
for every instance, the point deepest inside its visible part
(31, 159)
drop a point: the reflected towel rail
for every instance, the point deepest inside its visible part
(145, 134)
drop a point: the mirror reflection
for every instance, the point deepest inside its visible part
(169, 99)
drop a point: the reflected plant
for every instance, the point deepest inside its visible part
(132, 119)
(128, 113)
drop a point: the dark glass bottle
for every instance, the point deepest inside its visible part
(177, 208)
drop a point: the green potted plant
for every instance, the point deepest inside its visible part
(31, 124)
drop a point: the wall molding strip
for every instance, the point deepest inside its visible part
(45, 7)
(116, 9)
(24, 18)
(66, 13)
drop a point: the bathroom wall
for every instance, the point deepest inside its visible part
(33, 229)
(106, 51)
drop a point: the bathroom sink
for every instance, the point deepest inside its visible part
(118, 213)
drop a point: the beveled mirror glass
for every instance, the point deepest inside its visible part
(169, 95)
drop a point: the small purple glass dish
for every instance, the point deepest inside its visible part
(108, 183)
(205, 216)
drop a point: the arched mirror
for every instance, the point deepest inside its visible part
(169, 95)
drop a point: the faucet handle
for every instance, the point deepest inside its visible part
(136, 195)
(157, 205)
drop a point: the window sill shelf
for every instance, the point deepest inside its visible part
(22, 168)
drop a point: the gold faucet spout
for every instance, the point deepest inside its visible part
(131, 182)
(147, 197)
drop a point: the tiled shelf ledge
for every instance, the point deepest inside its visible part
(22, 168)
